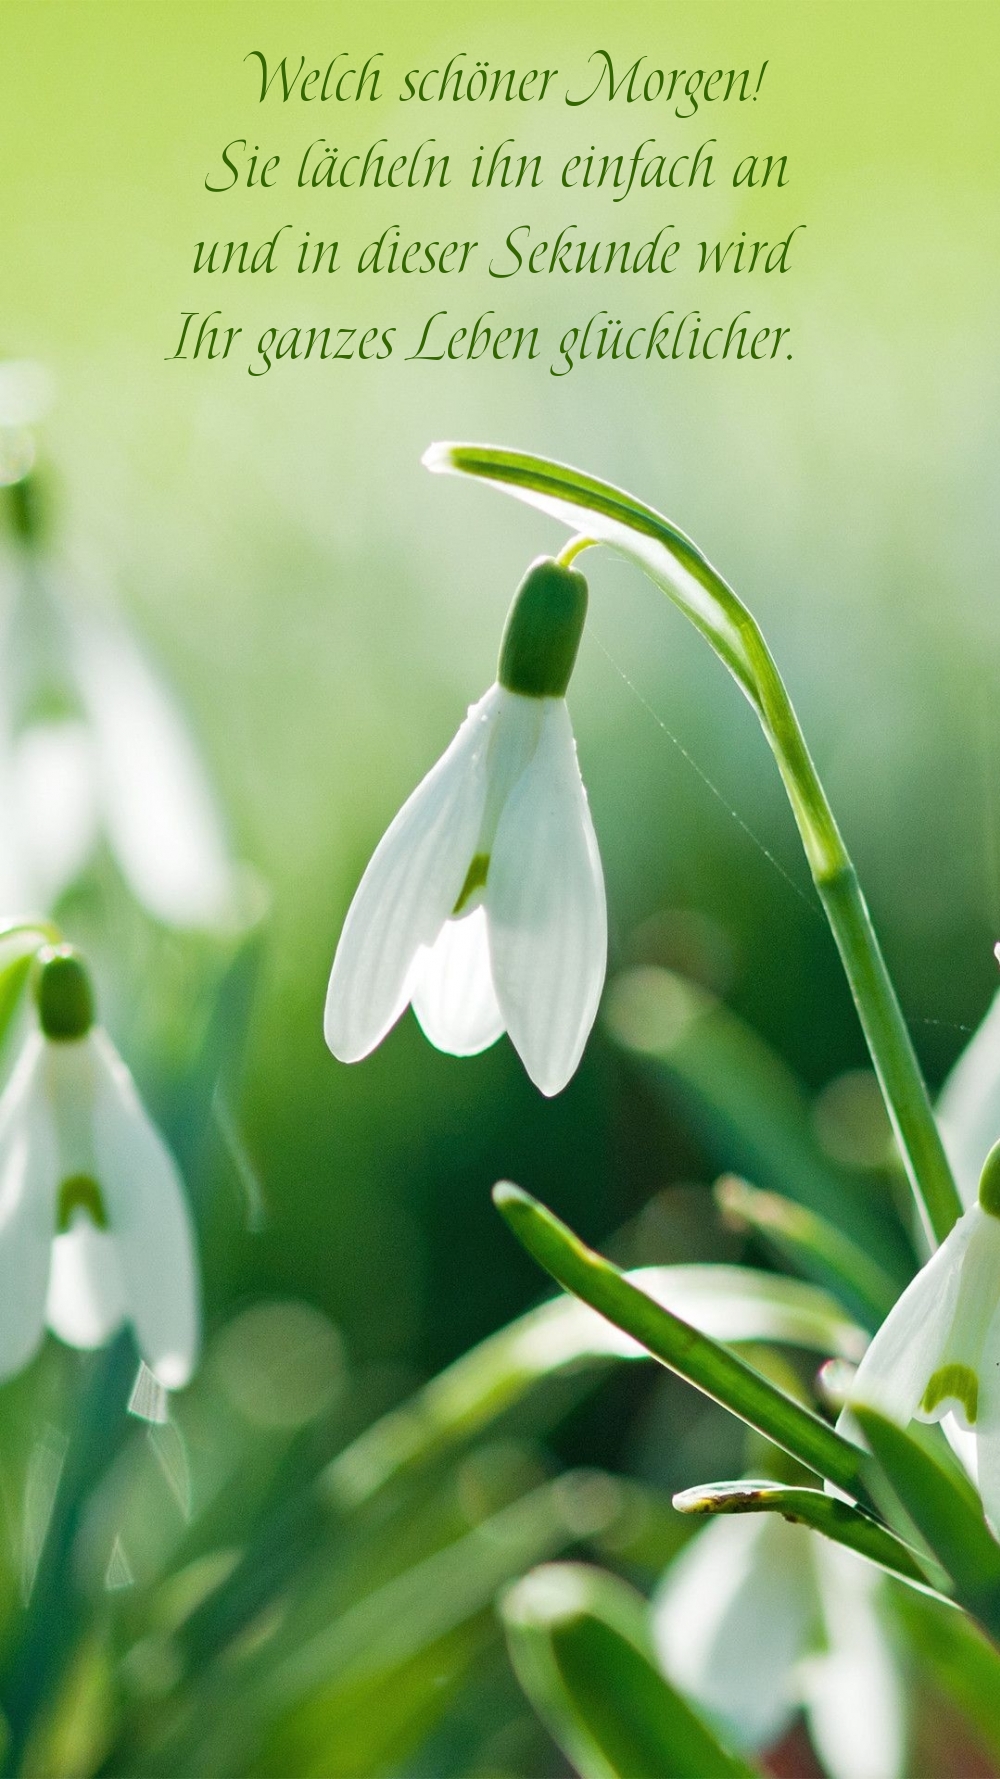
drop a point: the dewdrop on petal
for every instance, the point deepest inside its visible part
(938, 1351)
(94, 1225)
(483, 904)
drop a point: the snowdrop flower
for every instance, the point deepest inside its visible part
(937, 1353)
(758, 1619)
(94, 1224)
(93, 747)
(114, 761)
(968, 1106)
(483, 904)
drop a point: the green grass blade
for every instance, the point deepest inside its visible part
(703, 1362)
(580, 1648)
(944, 1509)
(746, 1106)
(823, 1513)
(952, 1653)
(729, 1303)
(812, 1244)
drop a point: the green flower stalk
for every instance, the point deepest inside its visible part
(605, 514)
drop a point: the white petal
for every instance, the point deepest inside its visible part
(546, 910)
(162, 819)
(86, 1300)
(731, 1619)
(978, 1295)
(452, 988)
(27, 1209)
(149, 1221)
(906, 1350)
(411, 885)
(988, 1426)
(852, 1692)
(969, 1104)
(56, 803)
(963, 1443)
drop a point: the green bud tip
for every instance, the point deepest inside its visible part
(63, 993)
(989, 1183)
(543, 631)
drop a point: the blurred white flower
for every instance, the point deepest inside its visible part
(969, 1104)
(121, 765)
(94, 1224)
(757, 1619)
(483, 904)
(937, 1354)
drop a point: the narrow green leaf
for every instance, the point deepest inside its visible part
(812, 1244)
(730, 1303)
(385, 1628)
(944, 1510)
(745, 1104)
(953, 1653)
(703, 1362)
(18, 944)
(838, 1520)
(580, 1647)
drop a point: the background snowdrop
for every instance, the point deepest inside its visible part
(93, 744)
(758, 1619)
(94, 1224)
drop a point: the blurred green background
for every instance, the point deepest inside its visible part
(327, 610)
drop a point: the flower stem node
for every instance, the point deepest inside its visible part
(63, 994)
(543, 630)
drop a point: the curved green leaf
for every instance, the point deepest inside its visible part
(747, 1107)
(610, 516)
(730, 1303)
(580, 1648)
(814, 1245)
(823, 1513)
(955, 1656)
(703, 1362)
(944, 1509)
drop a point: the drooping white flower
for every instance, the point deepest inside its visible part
(483, 904)
(94, 1224)
(937, 1354)
(757, 1619)
(968, 1106)
(116, 763)
(93, 745)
